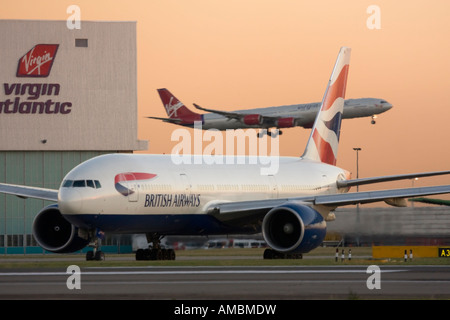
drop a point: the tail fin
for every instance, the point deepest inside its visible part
(324, 139)
(176, 109)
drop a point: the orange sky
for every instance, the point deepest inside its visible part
(255, 53)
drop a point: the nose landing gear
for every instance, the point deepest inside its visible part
(95, 237)
(95, 254)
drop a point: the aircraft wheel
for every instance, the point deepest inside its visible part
(99, 256)
(164, 254)
(140, 255)
(272, 254)
(89, 255)
(147, 254)
(268, 254)
(155, 254)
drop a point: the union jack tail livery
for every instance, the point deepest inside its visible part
(324, 139)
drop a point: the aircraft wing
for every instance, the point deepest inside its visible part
(232, 212)
(29, 192)
(176, 121)
(359, 182)
(343, 199)
(240, 116)
(229, 115)
(432, 201)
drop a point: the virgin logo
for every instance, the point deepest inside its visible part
(38, 61)
(172, 108)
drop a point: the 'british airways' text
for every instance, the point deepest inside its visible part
(163, 200)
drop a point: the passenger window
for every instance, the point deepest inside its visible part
(79, 183)
(90, 183)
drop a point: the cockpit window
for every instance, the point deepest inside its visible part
(79, 183)
(67, 183)
(95, 184)
(382, 101)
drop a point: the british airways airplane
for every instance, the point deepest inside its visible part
(297, 115)
(150, 194)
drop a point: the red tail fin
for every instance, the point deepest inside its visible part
(176, 109)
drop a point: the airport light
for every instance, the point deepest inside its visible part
(357, 177)
(357, 163)
(412, 181)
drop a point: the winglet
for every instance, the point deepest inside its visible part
(324, 139)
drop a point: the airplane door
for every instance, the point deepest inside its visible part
(186, 185)
(273, 187)
(325, 185)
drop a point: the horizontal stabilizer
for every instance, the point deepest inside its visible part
(177, 121)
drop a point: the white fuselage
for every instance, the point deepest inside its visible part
(157, 187)
(305, 113)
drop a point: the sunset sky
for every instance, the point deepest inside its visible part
(237, 54)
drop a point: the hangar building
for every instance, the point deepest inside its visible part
(66, 95)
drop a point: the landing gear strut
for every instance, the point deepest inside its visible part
(155, 252)
(373, 119)
(272, 254)
(95, 254)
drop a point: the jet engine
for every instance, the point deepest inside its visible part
(56, 234)
(293, 228)
(253, 119)
(286, 122)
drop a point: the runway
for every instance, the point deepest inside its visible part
(228, 283)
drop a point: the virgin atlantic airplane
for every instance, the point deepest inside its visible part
(150, 194)
(297, 115)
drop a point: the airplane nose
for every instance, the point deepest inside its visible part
(387, 106)
(69, 201)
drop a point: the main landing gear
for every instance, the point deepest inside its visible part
(272, 254)
(274, 134)
(155, 252)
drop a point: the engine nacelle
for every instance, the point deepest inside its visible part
(286, 122)
(54, 233)
(253, 119)
(293, 227)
